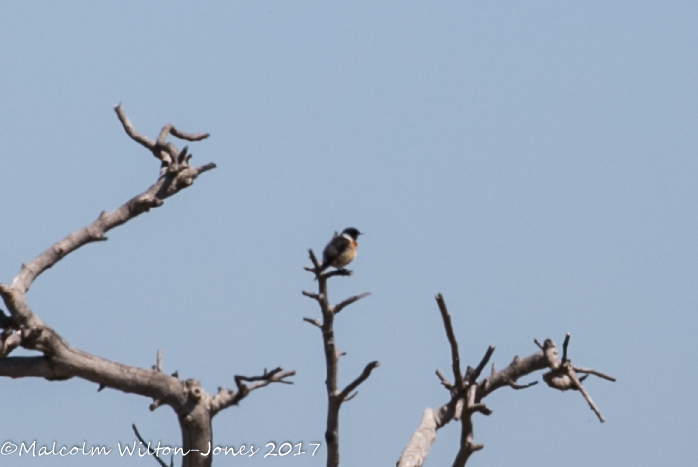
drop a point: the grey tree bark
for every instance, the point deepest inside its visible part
(335, 397)
(466, 393)
(194, 407)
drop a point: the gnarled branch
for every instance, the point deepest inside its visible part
(227, 397)
(466, 399)
(60, 361)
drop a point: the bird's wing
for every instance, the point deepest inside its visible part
(333, 249)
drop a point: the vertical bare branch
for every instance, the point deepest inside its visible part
(564, 347)
(455, 357)
(335, 397)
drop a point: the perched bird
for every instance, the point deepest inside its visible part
(341, 250)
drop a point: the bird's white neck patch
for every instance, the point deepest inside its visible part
(352, 242)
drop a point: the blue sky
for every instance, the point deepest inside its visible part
(532, 161)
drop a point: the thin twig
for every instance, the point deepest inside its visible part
(316, 263)
(446, 383)
(360, 379)
(163, 188)
(314, 322)
(340, 306)
(314, 296)
(522, 386)
(158, 361)
(188, 136)
(226, 398)
(586, 395)
(337, 272)
(476, 373)
(455, 357)
(564, 347)
(151, 451)
(594, 372)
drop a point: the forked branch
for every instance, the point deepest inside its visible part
(60, 361)
(227, 397)
(466, 397)
(168, 185)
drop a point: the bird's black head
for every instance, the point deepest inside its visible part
(352, 232)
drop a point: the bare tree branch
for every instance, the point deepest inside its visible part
(586, 395)
(9, 340)
(128, 128)
(340, 306)
(467, 445)
(420, 443)
(455, 357)
(562, 376)
(314, 296)
(476, 373)
(188, 136)
(226, 397)
(17, 306)
(166, 186)
(314, 322)
(445, 382)
(158, 361)
(334, 396)
(522, 386)
(593, 372)
(151, 451)
(316, 263)
(564, 347)
(60, 361)
(518, 368)
(360, 379)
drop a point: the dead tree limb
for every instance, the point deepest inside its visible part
(151, 452)
(60, 361)
(563, 375)
(335, 396)
(467, 393)
(226, 397)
